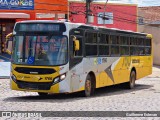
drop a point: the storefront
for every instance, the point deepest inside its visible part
(12, 11)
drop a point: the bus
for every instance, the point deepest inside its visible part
(50, 57)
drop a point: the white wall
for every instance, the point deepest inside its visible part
(155, 31)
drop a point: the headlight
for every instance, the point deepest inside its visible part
(13, 78)
(59, 78)
(56, 80)
(62, 77)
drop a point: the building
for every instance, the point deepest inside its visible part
(117, 15)
(149, 14)
(150, 23)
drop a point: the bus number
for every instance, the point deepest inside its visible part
(48, 78)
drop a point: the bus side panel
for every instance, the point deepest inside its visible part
(145, 66)
(106, 77)
(121, 70)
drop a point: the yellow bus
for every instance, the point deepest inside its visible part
(63, 57)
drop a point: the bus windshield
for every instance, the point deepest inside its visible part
(40, 50)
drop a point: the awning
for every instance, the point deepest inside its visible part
(14, 15)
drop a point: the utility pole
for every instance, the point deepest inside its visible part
(88, 11)
(104, 15)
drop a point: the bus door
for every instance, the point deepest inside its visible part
(75, 62)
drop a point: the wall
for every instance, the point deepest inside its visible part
(38, 6)
(156, 41)
(124, 15)
(149, 13)
(51, 6)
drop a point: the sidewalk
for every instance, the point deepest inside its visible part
(155, 72)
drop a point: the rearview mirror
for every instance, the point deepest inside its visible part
(9, 41)
(76, 44)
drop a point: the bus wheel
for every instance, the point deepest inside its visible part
(131, 83)
(89, 87)
(42, 94)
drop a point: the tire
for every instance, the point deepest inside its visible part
(42, 94)
(131, 83)
(89, 87)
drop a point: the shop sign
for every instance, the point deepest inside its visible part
(17, 4)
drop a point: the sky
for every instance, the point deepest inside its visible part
(141, 3)
(149, 3)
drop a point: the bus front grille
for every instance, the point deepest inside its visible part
(34, 85)
(26, 70)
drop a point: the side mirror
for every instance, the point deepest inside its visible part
(9, 52)
(9, 41)
(76, 45)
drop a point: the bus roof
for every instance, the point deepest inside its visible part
(83, 26)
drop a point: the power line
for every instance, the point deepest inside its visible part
(106, 17)
(98, 6)
(116, 18)
(109, 7)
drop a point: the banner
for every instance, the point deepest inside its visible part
(17, 4)
(43, 114)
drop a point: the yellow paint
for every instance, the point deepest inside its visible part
(122, 70)
(121, 73)
(54, 88)
(35, 78)
(97, 81)
(82, 88)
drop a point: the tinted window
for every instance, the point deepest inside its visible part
(91, 37)
(133, 41)
(124, 40)
(91, 50)
(103, 50)
(114, 39)
(114, 50)
(148, 42)
(104, 39)
(124, 50)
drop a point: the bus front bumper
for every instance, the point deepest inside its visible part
(35, 87)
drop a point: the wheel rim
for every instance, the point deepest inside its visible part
(132, 82)
(88, 86)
